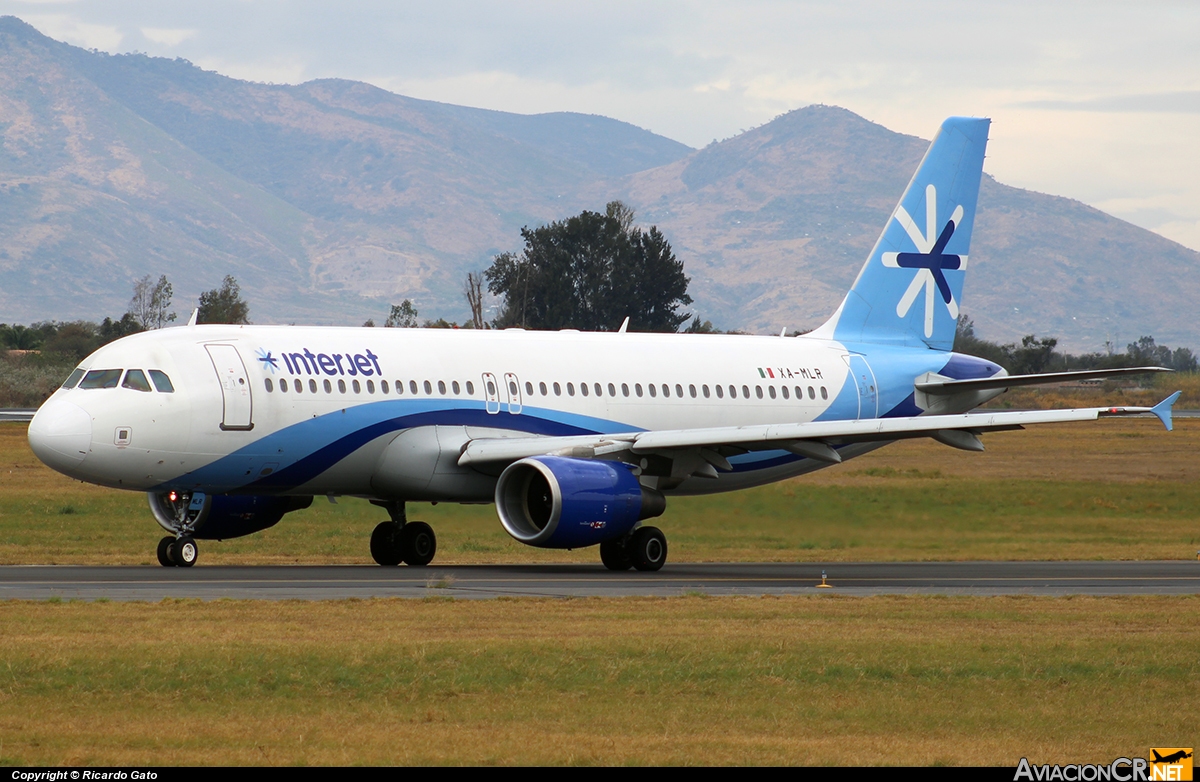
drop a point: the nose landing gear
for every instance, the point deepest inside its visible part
(177, 552)
(400, 540)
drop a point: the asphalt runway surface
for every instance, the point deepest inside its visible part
(303, 582)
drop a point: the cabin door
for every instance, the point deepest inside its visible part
(868, 391)
(235, 387)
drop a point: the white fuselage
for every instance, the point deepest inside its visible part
(297, 410)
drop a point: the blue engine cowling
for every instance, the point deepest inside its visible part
(560, 502)
(222, 516)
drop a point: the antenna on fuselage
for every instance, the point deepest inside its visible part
(624, 325)
(195, 315)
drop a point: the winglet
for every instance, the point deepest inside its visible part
(1163, 410)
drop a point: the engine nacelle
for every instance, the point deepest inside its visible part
(560, 502)
(221, 516)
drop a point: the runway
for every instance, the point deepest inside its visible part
(564, 581)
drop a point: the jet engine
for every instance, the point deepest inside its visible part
(220, 516)
(561, 502)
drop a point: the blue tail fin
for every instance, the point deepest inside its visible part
(909, 290)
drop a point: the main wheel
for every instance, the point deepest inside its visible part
(615, 555)
(184, 551)
(648, 548)
(418, 544)
(385, 547)
(164, 552)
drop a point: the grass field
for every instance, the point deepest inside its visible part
(1115, 489)
(690, 680)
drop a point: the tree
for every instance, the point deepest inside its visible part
(402, 316)
(589, 272)
(151, 303)
(224, 304)
(473, 289)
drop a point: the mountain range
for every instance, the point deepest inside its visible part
(331, 199)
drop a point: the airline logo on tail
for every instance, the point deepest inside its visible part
(930, 260)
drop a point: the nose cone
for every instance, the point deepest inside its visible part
(61, 435)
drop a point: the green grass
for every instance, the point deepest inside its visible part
(1112, 490)
(691, 680)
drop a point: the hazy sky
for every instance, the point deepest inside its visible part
(1098, 101)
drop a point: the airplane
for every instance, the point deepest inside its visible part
(1174, 757)
(578, 438)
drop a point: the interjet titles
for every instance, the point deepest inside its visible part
(310, 363)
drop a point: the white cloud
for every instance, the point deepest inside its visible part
(72, 29)
(167, 36)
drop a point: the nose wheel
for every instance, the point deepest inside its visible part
(178, 552)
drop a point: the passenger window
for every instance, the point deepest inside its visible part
(746, 392)
(73, 379)
(412, 386)
(528, 388)
(812, 394)
(470, 388)
(341, 386)
(512, 389)
(455, 387)
(355, 385)
(270, 386)
(328, 386)
(612, 390)
(557, 390)
(428, 388)
(720, 392)
(679, 391)
(542, 388)
(624, 389)
(370, 386)
(491, 387)
(637, 387)
(399, 387)
(283, 386)
(692, 391)
(161, 381)
(599, 391)
(824, 393)
(666, 390)
(136, 379)
(799, 392)
(312, 386)
(771, 391)
(298, 386)
(442, 387)
(570, 390)
(785, 391)
(101, 378)
(383, 386)
(653, 389)
(583, 389)
(733, 392)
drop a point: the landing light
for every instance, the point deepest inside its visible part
(172, 496)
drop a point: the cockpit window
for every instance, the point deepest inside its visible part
(73, 379)
(161, 381)
(101, 378)
(136, 379)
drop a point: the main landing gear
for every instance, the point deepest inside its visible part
(644, 549)
(177, 552)
(400, 540)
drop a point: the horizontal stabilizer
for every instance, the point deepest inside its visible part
(945, 387)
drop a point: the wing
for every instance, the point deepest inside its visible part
(817, 439)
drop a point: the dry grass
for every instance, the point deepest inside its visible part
(1115, 489)
(889, 680)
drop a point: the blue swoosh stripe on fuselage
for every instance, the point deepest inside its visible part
(322, 442)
